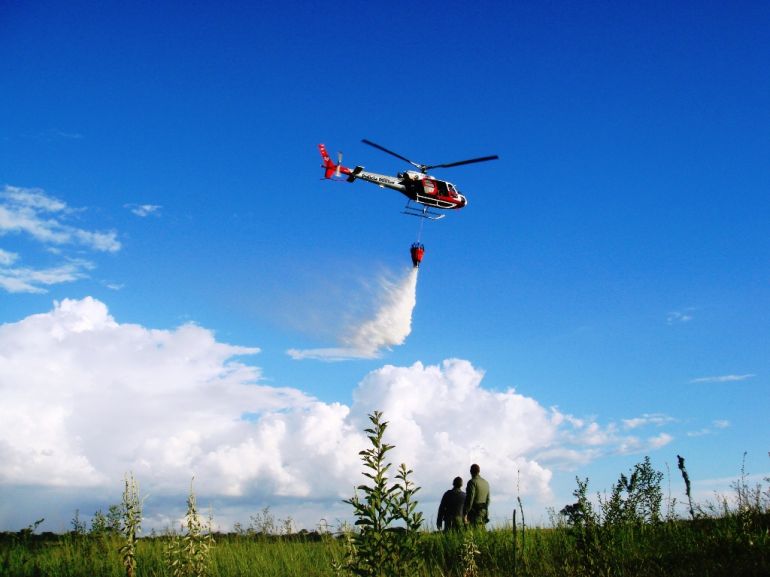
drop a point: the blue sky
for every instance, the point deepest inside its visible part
(603, 296)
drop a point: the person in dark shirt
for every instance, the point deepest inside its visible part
(450, 512)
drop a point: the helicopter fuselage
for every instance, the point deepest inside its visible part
(421, 188)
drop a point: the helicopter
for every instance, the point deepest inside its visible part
(419, 187)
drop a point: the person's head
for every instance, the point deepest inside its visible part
(475, 470)
(457, 483)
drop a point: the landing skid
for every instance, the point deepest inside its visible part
(422, 212)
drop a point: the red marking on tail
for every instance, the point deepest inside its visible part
(330, 169)
(328, 164)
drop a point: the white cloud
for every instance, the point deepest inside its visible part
(632, 445)
(330, 354)
(53, 134)
(27, 280)
(656, 419)
(7, 258)
(33, 199)
(144, 210)
(714, 494)
(32, 213)
(717, 424)
(679, 317)
(659, 440)
(722, 379)
(86, 399)
(389, 326)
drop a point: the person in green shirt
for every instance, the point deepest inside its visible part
(476, 499)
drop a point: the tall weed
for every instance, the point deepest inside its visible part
(387, 541)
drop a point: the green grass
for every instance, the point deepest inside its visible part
(86, 556)
(710, 547)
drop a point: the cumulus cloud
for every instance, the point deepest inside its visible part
(87, 398)
(31, 213)
(390, 325)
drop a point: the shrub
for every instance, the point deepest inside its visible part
(387, 541)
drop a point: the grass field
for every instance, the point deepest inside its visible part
(726, 546)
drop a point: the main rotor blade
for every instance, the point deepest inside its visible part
(458, 163)
(375, 145)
